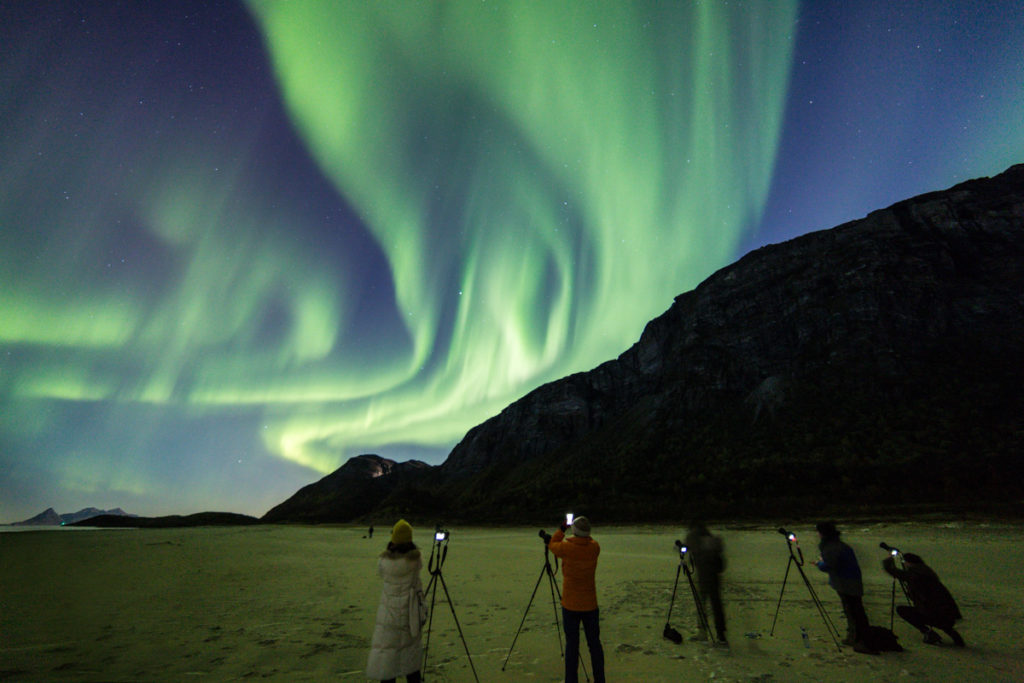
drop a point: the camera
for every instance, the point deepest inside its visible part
(892, 551)
(441, 535)
(790, 536)
(545, 536)
(682, 548)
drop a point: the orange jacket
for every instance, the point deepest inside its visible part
(579, 564)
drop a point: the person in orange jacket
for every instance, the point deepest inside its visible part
(579, 596)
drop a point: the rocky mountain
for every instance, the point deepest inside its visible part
(49, 517)
(879, 363)
(355, 489)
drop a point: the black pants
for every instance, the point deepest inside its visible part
(591, 627)
(711, 591)
(856, 618)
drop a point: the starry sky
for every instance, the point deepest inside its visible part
(242, 242)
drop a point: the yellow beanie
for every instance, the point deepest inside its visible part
(401, 532)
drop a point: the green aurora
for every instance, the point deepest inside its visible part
(242, 242)
(543, 178)
(538, 180)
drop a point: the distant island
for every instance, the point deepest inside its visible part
(118, 518)
(49, 517)
(170, 521)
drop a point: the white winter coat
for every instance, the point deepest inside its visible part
(396, 649)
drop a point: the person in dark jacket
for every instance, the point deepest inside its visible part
(932, 603)
(708, 556)
(840, 563)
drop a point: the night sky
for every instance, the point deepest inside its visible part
(244, 242)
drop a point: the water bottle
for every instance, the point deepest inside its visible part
(803, 635)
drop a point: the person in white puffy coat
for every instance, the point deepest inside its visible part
(396, 648)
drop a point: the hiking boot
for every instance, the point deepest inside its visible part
(932, 638)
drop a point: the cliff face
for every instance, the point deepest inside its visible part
(878, 362)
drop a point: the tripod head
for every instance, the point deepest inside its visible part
(895, 552)
(438, 549)
(683, 554)
(791, 542)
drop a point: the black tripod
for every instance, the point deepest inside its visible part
(799, 563)
(556, 599)
(897, 556)
(702, 615)
(440, 550)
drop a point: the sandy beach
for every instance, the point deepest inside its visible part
(297, 604)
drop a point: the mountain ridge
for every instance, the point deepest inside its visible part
(824, 373)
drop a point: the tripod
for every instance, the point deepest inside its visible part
(897, 557)
(440, 550)
(702, 616)
(799, 564)
(556, 598)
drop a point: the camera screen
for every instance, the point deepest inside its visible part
(439, 536)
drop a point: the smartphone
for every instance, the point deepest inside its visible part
(568, 519)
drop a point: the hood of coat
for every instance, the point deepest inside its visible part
(396, 566)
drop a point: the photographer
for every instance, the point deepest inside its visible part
(933, 604)
(396, 648)
(840, 563)
(706, 551)
(579, 596)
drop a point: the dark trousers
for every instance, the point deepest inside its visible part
(592, 628)
(414, 677)
(918, 620)
(711, 590)
(856, 618)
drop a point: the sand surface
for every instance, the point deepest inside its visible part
(297, 603)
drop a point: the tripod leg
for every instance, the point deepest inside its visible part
(829, 624)
(785, 577)
(556, 602)
(451, 606)
(668, 619)
(525, 612)
(702, 615)
(432, 592)
(892, 606)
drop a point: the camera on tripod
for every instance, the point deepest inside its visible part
(545, 536)
(895, 552)
(790, 536)
(441, 535)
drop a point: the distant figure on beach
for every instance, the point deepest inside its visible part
(369, 534)
(840, 563)
(707, 552)
(396, 648)
(932, 603)
(579, 596)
